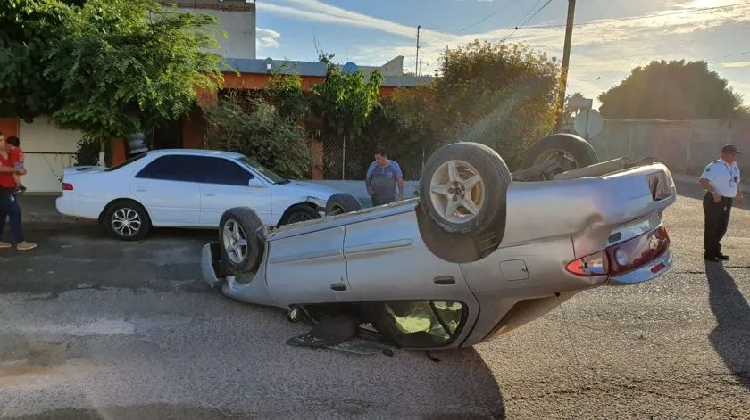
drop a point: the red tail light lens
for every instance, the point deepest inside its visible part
(623, 257)
(67, 187)
(638, 251)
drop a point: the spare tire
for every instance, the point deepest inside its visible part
(241, 247)
(463, 200)
(342, 203)
(572, 146)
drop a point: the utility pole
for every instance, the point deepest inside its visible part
(416, 66)
(565, 65)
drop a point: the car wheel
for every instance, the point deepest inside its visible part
(127, 220)
(462, 200)
(241, 247)
(578, 153)
(299, 213)
(342, 203)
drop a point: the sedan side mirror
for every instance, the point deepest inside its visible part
(255, 183)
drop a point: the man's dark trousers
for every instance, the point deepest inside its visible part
(377, 201)
(715, 223)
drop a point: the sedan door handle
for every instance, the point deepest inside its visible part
(210, 195)
(338, 287)
(444, 280)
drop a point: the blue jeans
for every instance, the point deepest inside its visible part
(9, 208)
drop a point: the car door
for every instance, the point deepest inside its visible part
(168, 187)
(309, 268)
(226, 184)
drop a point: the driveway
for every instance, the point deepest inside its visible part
(96, 329)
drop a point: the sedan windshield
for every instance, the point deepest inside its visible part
(265, 172)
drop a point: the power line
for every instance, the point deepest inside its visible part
(503, 7)
(526, 21)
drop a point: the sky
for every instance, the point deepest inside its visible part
(610, 37)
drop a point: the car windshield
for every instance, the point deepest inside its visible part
(265, 172)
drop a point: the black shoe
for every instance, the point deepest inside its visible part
(710, 258)
(722, 256)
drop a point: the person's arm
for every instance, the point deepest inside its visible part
(368, 178)
(9, 170)
(706, 180)
(740, 197)
(399, 181)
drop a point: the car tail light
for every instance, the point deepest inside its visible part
(67, 187)
(623, 257)
(638, 251)
(660, 188)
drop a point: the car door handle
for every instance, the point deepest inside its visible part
(210, 195)
(338, 287)
(444, 280)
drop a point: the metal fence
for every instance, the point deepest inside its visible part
(350, 163)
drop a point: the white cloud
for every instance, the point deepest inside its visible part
(736, 64)
(266, 38)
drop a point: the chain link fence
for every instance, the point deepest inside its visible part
(345, 162)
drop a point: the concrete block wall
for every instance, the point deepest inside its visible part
(684, 146)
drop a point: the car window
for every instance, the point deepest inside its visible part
(223, 172)
(422, 323)
(172, 168)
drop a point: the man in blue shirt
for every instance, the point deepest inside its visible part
(381, 179)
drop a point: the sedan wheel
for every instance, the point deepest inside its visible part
(127, 221)
(235, 242)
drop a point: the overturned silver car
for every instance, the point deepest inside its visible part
(480, 252)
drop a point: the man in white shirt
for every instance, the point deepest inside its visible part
(721, 180)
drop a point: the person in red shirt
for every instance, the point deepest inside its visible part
(16, 154)
(9, 207)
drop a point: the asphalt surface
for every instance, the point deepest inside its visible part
(91, 328)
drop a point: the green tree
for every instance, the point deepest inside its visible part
(28, 28)
(254, 127)
(284, 89)
(673, 90)
(106, 67)
(344, 102)
(502, 95)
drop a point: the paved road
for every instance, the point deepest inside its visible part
(94, 329)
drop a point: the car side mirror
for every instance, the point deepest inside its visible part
(255, 183)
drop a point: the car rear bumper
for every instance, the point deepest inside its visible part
(648, 272)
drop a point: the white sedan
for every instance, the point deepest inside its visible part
(185, 188)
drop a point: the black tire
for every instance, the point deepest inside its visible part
(131, 211)
(249, 222)
(485, 229)
(581, 150)
(342, 203)
(298, 213)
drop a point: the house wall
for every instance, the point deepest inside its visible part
(236, 18)
(48, 150)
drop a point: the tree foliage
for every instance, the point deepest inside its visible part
(502, 95)
(106, 67)
(28, 28)
(254, 127)
(344, 101)
(671, 90)
(285, 91)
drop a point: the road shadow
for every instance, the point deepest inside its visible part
(731, 338)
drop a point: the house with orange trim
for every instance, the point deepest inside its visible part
(49, 150)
